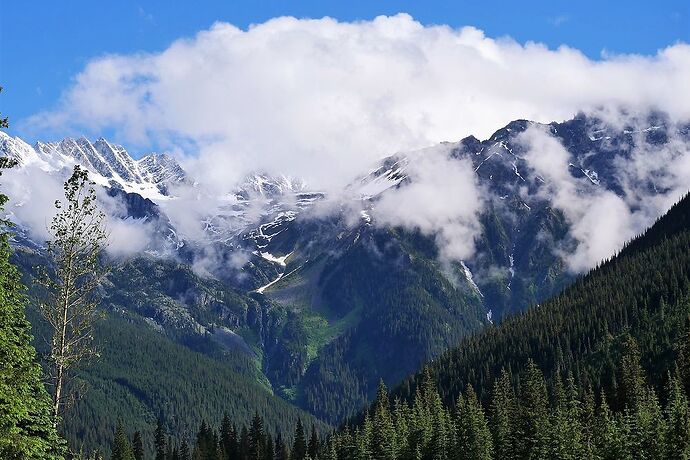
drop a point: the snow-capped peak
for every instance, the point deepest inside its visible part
(17, 149)
(109, 164)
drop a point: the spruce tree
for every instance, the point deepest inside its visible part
(243, 443)
(159, 441)
(401, 421)
(609, 441)
(504, 417)
(228, 438)
(26, 429)
(631, 375)
(185, 454)
(282, 452)
(533, 432)
(138, 446)
(121, 448)
(299, 446)
(678, 422)
(269, 449)
(649, 428)
(257, 440)
(473, 434)
(314, 445)
(383, 430)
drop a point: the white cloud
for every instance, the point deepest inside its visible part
(319, 98)
(322, 100)
(33, 192)
(443, 199)
(601, 222)
(32, 195)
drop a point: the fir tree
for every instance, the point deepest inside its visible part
(138, 446)
(185, 454)
(269, 449)
(678, 416)
(631, 381)
(121, 448)
(534, 421)
(257, 440)
(314, 445)
(649, 428)
(383, 430)
(228, 438)
(159, 441)
(504, 417)
(282, 452)
(299, 446)
(473, 434)
(26, 429)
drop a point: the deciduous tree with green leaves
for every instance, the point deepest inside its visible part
(70, 281)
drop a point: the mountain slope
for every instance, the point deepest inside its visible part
(644, 292)
(167, 351)
(321, 294)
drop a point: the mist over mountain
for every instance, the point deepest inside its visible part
(330, 291)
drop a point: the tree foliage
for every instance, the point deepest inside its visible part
(71, 279)
(26, 431)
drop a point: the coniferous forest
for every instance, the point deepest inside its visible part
(621, 393)
(232, 231)
(600, 371)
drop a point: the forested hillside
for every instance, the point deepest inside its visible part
(142, 375)
(642, 293)
(600, 371)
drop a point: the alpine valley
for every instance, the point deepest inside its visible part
(294, 302)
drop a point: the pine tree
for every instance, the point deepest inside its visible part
(533, 432)
(314, 445)
(26, 428)
(504, 417)
(138, 446)
(159, 441)
(473, 434)
(299, 446)
(228, 438)
(383, 430)
(257, 440)
(678, 416)
(121, 448)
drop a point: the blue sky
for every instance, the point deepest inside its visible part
(43, 45)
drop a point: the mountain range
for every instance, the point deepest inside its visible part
(316, 307)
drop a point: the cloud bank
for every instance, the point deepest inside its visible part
(322, 100)
(319, 98)
(33, 192)
(653, 178)
(443, 199)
